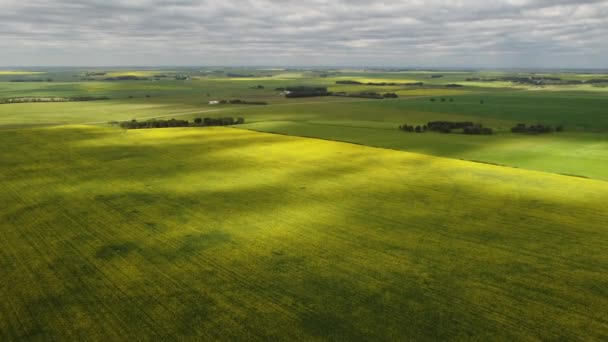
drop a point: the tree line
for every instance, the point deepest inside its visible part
(466, 127)
(53, 99)
(32, 80)
(198, 122)
(237, 101)
(535, 129)
(367, 95)
(305, 91)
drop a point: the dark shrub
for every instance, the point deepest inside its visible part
(305, 91)
(406, 128)
(533, 129)
(348, 82)
(155, 123)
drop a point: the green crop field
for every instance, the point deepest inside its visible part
(223, 233)
(316, 219)
(370, 122)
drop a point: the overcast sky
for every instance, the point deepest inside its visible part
(425, 33)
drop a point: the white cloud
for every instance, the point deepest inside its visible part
(554, 33)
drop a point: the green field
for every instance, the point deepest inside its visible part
(231, 234)
(317, 219)
(368, 122)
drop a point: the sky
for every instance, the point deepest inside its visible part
(407, 33)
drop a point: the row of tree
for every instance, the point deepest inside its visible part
(535, 129)
(417, 129)
(52, 99)
(477, 130)
(198, 122)
(304, 91)
(467, 127)
(367, 95)
(390, 95)
(448, 125)
(237, 101)
(154, 123)
(227, 121)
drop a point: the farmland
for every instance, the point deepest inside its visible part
(316, 219)
(579, 108)
(227, 233)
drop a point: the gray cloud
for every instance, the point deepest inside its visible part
(505, 33)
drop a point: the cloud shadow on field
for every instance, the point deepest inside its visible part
(329, 239)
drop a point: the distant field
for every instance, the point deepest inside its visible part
(580, 109)
(231, 234)
(19, 72)
(139, 73)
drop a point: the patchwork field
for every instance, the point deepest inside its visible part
(223, 233)
(369, 122)
(316, 219)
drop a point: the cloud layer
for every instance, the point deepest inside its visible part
(456, 33)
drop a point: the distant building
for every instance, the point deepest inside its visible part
(214, 102)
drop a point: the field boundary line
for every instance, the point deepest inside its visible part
(422, 154)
